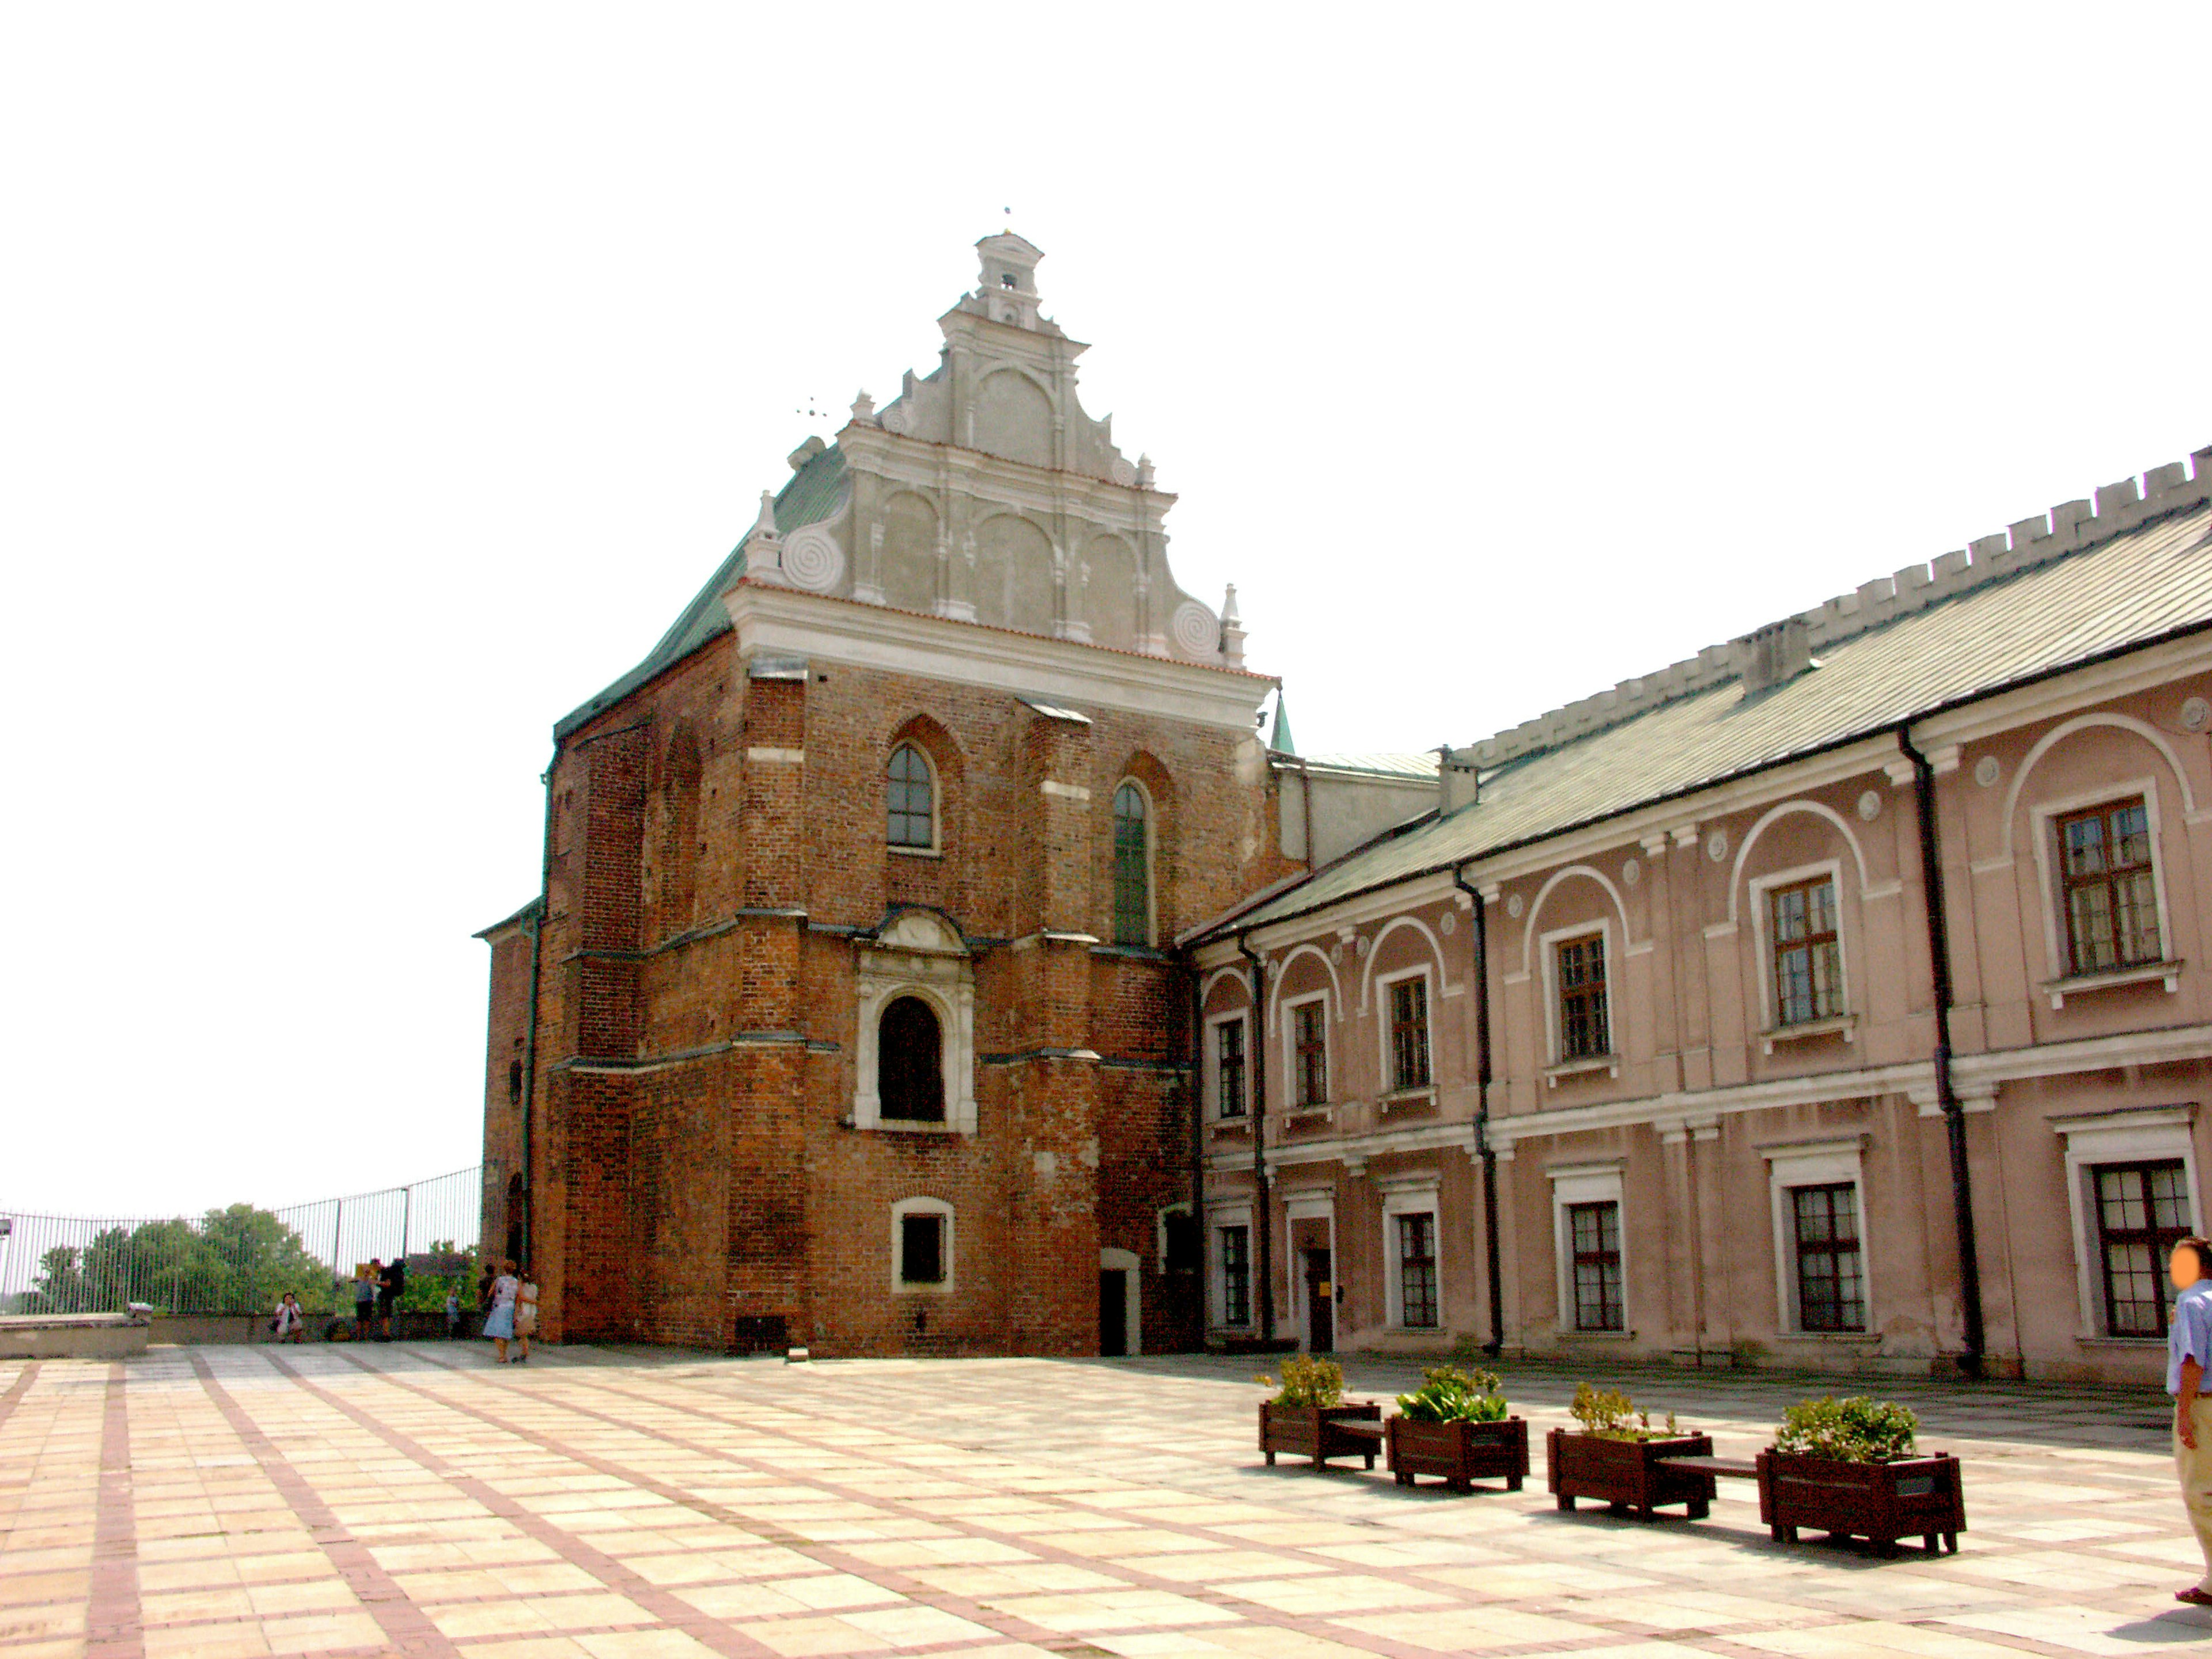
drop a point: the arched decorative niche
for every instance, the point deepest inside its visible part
(915, 973)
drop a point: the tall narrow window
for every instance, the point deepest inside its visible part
(1594, 1235)
(2111, 900)
(1585, 1029)
(1229, 1068)
(1179, 1237)
(910, 1062)
(1830, 1285)
(1409, 1033)
(1236, 1275)
(921, 1249)
(1808, 971)
(1309, 1054)
(1417, 1269)
(2142, 1212)
(911, 799)
(1133, 867)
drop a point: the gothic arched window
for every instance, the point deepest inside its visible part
(910, 799)
(1133, 865)
(910, 1062)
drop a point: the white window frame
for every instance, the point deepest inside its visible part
(936, 848)
(1131, 1266)
(1152, 858)
(1310, 1204)
(2135, 1135)
(1219, 1216)
(947, 1236)
(1763, 913)
(1815, 1164)
(1584, 1183)
(2043, 816)
(1386, 1084)
(1210, 1065)
(1547, 946)
(920, 956)
(1418, 1197)
(1290, 1038)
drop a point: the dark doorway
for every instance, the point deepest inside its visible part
(1114, 1312)
(1320, 1304)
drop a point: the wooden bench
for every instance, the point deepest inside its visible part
(1730, 1467)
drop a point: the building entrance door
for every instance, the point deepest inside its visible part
(1113, 1311)
(1320, 1304)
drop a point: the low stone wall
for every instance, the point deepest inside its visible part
(72, 1336)
(212, 1329)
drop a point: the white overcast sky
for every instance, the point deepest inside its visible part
(376, 384)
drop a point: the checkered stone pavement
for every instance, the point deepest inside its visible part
(206, 1503)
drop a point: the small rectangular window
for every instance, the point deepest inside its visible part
(1830, 1285)
(1417, 1269)
(1409, 1033)
(1585, 1029)
(1309, 1053)
(1809, 973)
(1594, 1236)
(1229, 1068)
(1180, 1228)
(1236, 1276)
(921, 1249)
(2110, 896)
(2142, 1212)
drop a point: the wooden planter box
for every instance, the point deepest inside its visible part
(1881, 1503)
(1315, 1432)
(1459, 1453)
(1626, 1474)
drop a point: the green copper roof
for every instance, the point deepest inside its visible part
(812, 496)
(1281, 740)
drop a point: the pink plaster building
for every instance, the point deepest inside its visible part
(1837, 998)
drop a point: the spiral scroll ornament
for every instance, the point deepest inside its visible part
(1196, 630)
(813, 560)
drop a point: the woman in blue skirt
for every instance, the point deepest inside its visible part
(499, 1324)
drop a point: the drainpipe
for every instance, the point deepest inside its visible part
(530, 1032)
(1198, 1138)
(1947, 1096)
(1489, 1153)
(1262, 1222)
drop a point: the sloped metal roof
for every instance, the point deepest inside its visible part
(2138, 587)
(812, 496)
(1421, 765)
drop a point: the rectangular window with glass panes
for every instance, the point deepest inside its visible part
(1831, 1275)
(1235, 1245)
(1809, 962)
(1417, 1269)
(1409, 1033)
(1594, 1236)
(2110, 892)
(1229, 1068)
(2142, 1212)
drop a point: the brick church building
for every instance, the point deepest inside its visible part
(855, 1024)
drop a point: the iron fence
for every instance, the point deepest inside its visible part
(242, 1260)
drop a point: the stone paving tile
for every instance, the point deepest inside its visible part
(614, 1506)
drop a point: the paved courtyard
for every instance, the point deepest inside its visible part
(216, 1502)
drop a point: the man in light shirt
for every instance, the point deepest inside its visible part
(2188, 1353)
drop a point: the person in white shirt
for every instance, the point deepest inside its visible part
(525, 1317)
(291, 1322)
(499, 1324)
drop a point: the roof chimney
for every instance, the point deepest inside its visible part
(1457, 782)
(1772, 655)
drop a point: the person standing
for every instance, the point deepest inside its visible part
(291, 1322)
(2187, 1355)
(526, 1315)
(364, 1297)
(452, 1310)
(392, 1285)
(499, 1324)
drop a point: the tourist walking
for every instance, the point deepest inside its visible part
(526, 1315)
(499, 1323)
(2188, 1354)
(291, 1322)
(364, 1297)
(392, 1285)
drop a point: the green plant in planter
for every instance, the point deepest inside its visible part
(1854, 1430)
(1449, 1395)
(1308, 1382)
(1606, 1414)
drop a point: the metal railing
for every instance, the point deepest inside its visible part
(242, 1259)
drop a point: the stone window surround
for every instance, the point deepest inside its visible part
(1763, 920)
(936, 848)
(2130, 1135)
(1402, 1195)
(947, 1235)
(922, 957)
(1386, 1082)
(1816, 1163)
(1236, 1212)
(1307, 1203)
(2043, 816)
(1594, 1183)
(1547, 948)
(1210, 1066)
(1160, 1235)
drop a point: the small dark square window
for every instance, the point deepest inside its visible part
(1181, 1230)
(921, 1249)
(1006, 279)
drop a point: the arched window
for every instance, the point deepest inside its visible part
(910, 1064)
(910, 799)
(1132, 866)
